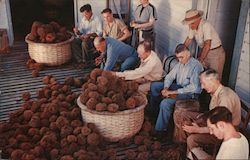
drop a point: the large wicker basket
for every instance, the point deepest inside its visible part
(115, 126)
(53, 54)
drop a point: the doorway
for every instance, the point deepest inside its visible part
(25, 12)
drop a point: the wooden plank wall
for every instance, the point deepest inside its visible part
(169, 29)
(243, 78)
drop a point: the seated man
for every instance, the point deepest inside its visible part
(89, 28)
(149, 70)
(234, 145)
(221, 96)
(114, 27)
(114, 51)
(186, 73)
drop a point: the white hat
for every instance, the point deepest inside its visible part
(192, 15)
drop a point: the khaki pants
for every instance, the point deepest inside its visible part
(215, 60)
(144, 88)
(183, 117)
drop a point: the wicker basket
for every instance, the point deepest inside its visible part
(115, 126)
(50, 54)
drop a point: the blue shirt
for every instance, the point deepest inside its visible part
(186, 75)
(117, 51)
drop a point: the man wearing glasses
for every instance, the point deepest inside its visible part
(186, 74)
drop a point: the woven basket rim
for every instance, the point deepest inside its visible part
(49, 44)
(106, 113)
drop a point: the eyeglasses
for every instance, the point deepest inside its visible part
(179, 57)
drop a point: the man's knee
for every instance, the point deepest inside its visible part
(166, 105)
(156, 88)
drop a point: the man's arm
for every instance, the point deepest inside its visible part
(205, 50)
(194, 84)
(195, 129)
(111, 59)
(145, 25)
(126, 34)
(171, 76)
(137, 73)
(187, 41)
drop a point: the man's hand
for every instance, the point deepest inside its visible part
(85, 37)
(98, 60)
(168, 94)
(75, 30)
(191, 129)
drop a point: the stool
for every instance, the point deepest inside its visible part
(4, 42)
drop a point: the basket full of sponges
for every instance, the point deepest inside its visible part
(112, 104)
(49, 44)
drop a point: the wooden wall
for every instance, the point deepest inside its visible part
(169, 29)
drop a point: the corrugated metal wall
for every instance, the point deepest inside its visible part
(169, 29)
(243, 78)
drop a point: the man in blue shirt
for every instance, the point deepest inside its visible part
(113, 51)
(186, 74)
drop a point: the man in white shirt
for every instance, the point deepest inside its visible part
(88, 29)
(212, 54)
(150, 69)
(234, 145)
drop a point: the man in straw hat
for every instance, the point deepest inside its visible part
(212, 54)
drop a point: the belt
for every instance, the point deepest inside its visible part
(216, 47)
(150, 30)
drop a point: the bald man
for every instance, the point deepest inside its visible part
(114, 51)
(150, 69)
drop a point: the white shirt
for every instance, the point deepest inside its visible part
(90, 26)
(150, 69)
(234, 148)
(205, 32)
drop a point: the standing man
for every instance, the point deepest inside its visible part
(114, 51)
(221, 96)
(212, 54)
(150, 69)
(89, 27)
(144, 18)
(186, 73)
(235, 144)
(113, 27)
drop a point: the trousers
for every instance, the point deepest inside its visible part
(166, 105)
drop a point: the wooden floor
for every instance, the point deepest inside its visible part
(16, 78)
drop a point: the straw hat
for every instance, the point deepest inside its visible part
(192, 15)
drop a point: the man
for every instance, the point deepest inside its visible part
(212, 54)
(234, 145)
(144, 18)
(114, 27)
(150, 69)
(186, 73)
(89, 28)
(114, 51)
(221, 96)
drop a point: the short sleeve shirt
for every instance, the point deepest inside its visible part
(115, 30)
(205, 32)
(144, 14)
(225, 96)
